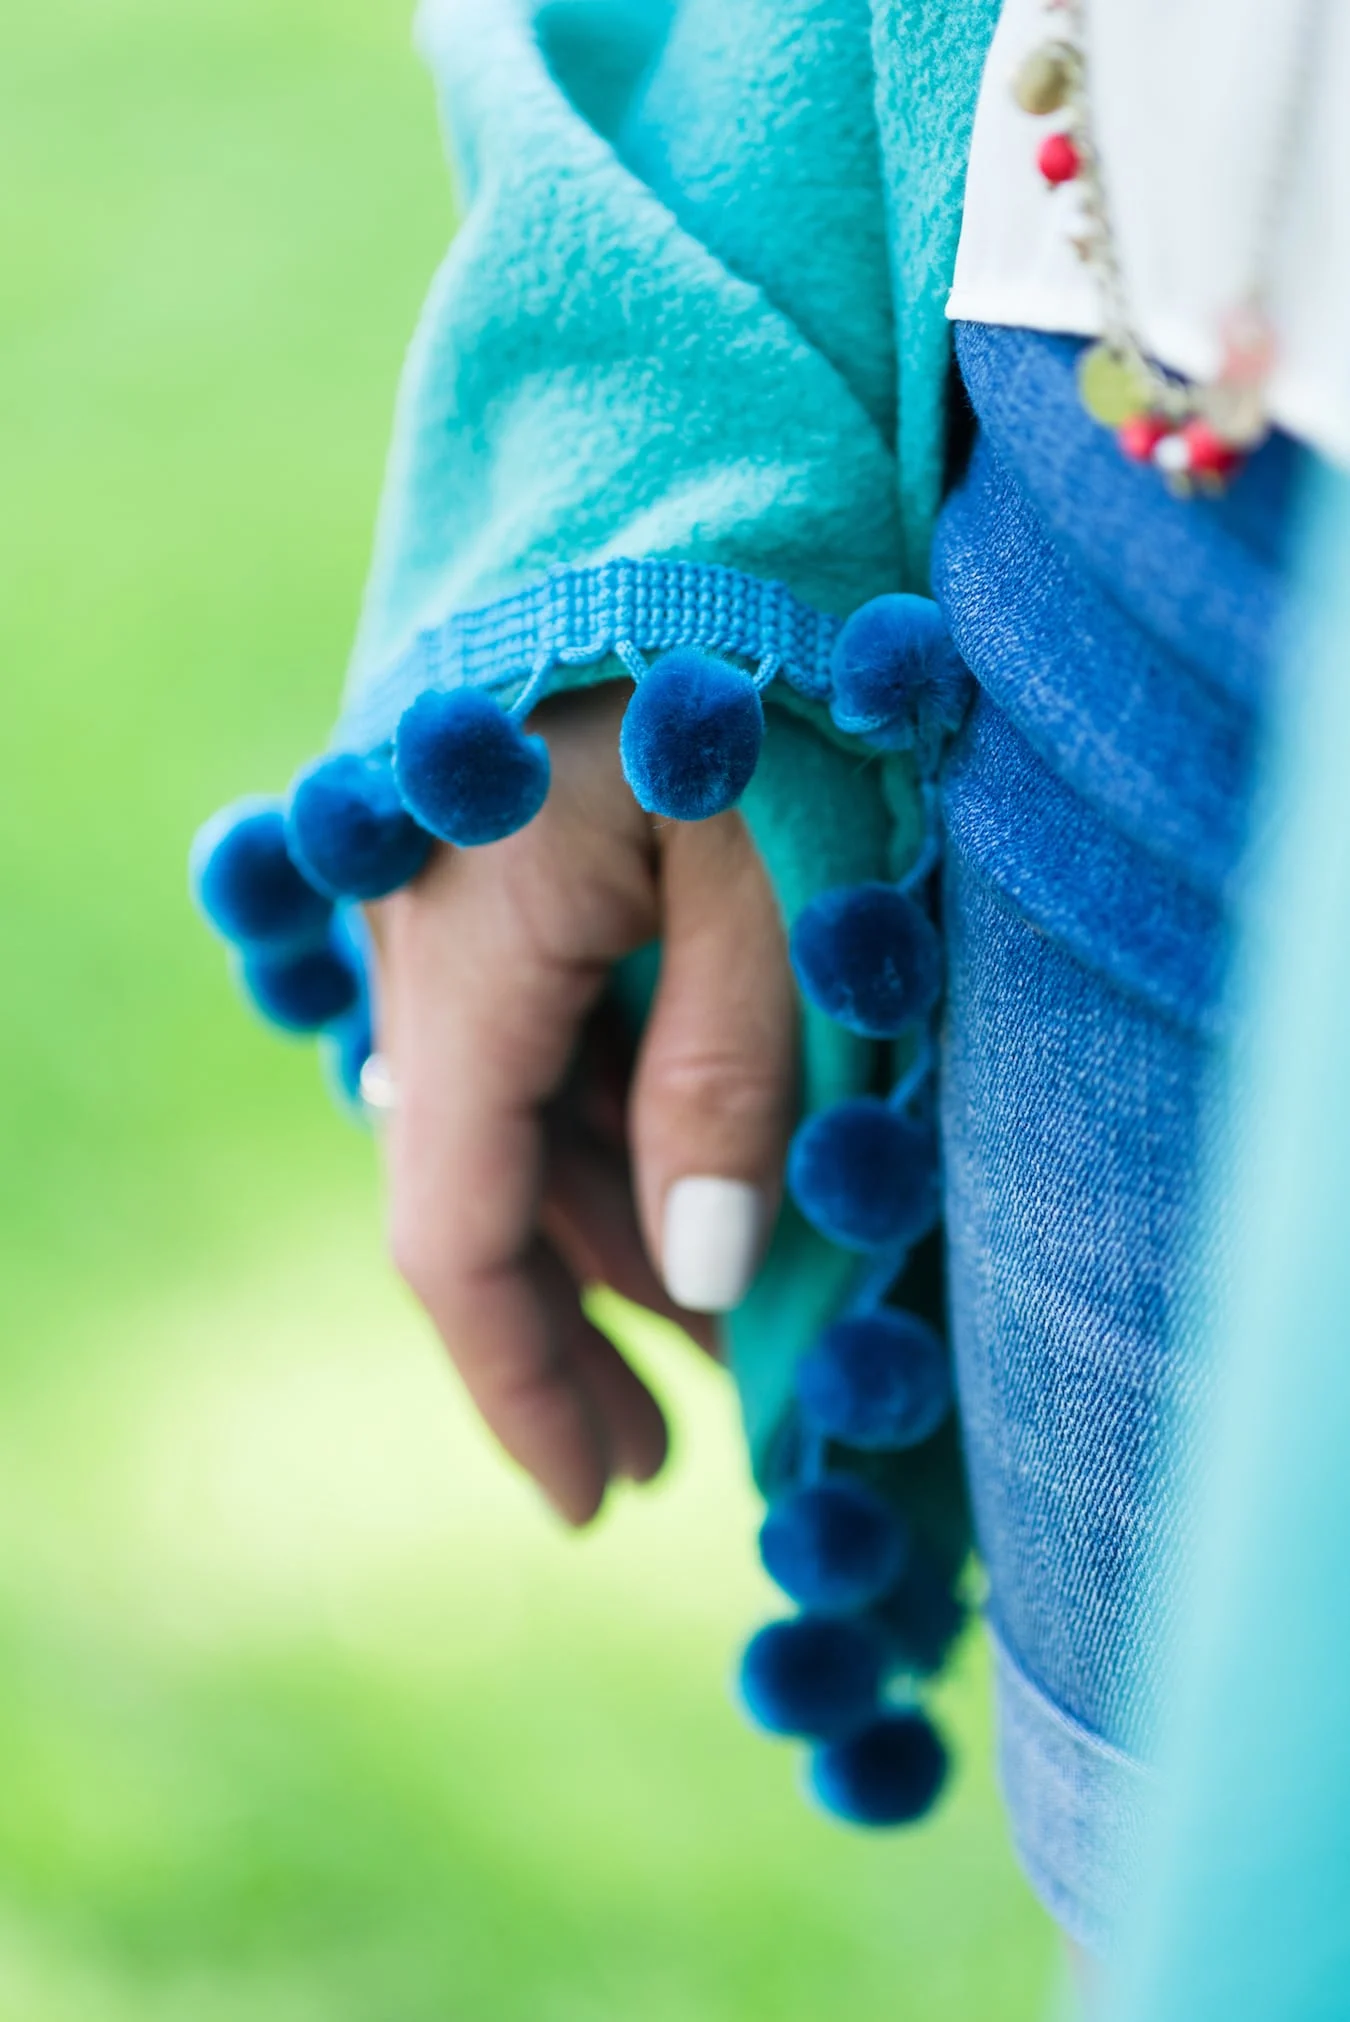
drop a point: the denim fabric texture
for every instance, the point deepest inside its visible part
(1096, 805)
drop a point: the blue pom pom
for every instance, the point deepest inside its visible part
(833, 1546)
(868, 957)
(348, 829)
(898, 679)
(888, 1774)
(864, 1175)
(305, 991)
(465, 770)
(246, 884)
(919, 1618)
(877, 1381)
(691, 736)
(817, 1677)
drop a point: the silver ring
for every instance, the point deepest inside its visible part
(379, 1090)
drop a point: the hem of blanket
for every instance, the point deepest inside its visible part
(538, 639)
(1077, 1806)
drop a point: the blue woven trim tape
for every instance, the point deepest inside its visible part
(576, 616)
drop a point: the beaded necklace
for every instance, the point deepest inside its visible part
(1196, 435)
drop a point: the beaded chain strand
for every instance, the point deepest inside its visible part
(1196, 435)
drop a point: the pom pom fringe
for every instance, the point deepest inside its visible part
(465, 770)
(833, 1546)
(691, 736)
(888, 1774)
(877, 1381)
(278, 884)
(816, 1677)
(245, 883)
(919, 1619)
(897, 678)
(304, 992)
(359, 825)
(865, 1175)
(869, 957)
(348, 830)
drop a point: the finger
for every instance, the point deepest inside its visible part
(514, 1341)
(485, 981)
(590, 1217)
(462, 1152)
(634, 1425)
(715, 1087)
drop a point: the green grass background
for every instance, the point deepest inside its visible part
(307, 1710)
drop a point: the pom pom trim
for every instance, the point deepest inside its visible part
(361, 822)
(813, 1677)
(691, 735)
(878, 1382)
(888, 1774)
(869, 957)
(348, 830)
(833, 1546)
(466, 770)
(865, 1175)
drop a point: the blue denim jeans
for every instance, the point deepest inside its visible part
(1096, 809)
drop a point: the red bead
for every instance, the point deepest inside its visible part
(1058, 159)
(1140, 436)
(1210, 455)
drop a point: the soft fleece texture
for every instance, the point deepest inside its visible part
(666, 329)
(929, 57)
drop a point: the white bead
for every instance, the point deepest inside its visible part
(1172, 455)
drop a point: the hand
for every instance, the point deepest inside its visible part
(520, 1166)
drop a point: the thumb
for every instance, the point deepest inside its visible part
(714, 1093)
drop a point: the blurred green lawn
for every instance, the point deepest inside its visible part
(306, 1709)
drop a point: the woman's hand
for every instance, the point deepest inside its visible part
(524, 1162)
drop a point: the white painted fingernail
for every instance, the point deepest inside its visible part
(710, 1242)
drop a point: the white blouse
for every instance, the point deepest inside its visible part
(1223, 128)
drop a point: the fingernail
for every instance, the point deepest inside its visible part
(710, 1242)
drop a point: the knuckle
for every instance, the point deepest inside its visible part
(522, 1403)
(715, 1083)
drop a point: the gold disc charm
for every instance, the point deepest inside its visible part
(1044, 78)
(1111, 388)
